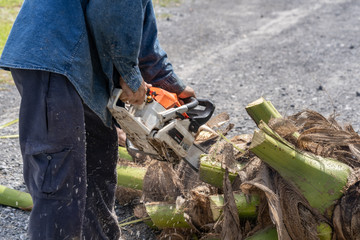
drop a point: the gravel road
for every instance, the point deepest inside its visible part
(298, 54)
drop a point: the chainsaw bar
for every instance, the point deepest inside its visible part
(193, 156)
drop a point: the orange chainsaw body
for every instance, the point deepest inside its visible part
(166, 99)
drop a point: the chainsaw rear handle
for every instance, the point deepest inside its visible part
(191, 102)
(197, 116)
(173, 112)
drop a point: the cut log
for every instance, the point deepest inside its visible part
(320, 180)
(262, 110)
(165, 215)
(247, 208)
(130, 177)
(14, 198)
(212, 173)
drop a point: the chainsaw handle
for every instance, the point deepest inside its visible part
(115, 97)
(170, 113)
(190, 102)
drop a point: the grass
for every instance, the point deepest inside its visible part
(10, 3)
(8, 11)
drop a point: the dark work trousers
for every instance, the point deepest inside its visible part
(69, 160)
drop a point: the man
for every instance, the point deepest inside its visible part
(66, 57)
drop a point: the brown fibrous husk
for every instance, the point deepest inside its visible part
(198, 209)
(346, 217)
(325, 137)
(231, 228)
(161, 183)
(127, 195)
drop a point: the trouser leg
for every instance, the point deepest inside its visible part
(100, 219)
(52, 141)
(61, 175)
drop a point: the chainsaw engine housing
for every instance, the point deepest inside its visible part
(155, 130)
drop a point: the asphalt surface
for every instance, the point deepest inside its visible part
(299, 54)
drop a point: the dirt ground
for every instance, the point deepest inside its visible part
(298, 54)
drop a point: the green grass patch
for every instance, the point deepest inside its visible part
(5, 28)
(10, 3)
(8, 12)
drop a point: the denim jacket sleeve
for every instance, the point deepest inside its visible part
(125, 36)
(116, 27)
(153, 61)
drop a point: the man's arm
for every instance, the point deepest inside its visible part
(116, 27)
(153, 62)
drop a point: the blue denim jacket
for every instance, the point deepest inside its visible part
(91, 42)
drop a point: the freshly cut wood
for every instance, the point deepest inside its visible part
(14, 198)
(320, 180)
(130, 176)
(262, 110)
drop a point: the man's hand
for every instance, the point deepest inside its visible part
(188, 92)
(136, 98)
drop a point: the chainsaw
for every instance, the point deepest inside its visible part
(163, 127)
